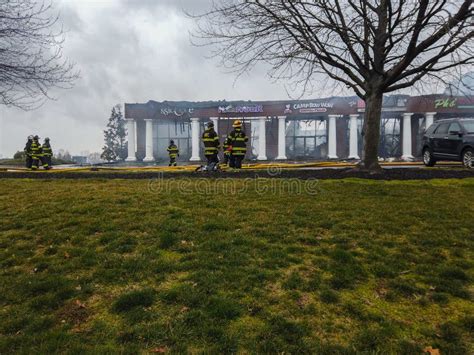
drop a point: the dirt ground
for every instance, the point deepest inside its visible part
(387, 174)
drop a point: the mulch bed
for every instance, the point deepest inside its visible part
(387, 174)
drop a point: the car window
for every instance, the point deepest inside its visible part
(431, 129)
(469, 126)
(443, 128)
(454, 127)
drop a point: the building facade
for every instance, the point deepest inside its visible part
(319, 129)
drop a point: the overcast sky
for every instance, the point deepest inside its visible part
(127, 51)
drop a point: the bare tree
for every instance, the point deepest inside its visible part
(31, 61)
(370, 46)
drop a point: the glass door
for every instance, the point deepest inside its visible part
(309, 146)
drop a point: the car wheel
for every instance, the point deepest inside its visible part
(468, 158)
(428, 159)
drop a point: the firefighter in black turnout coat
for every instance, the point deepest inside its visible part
(211, 146)
(47, 154)
(35, 153)
(238, 141)
(28, 154)
(173, 153)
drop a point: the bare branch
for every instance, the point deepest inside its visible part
(31, 60)
(370, 46)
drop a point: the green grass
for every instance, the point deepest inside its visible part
(114, 266)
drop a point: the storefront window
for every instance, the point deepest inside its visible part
(166, 130)
(306, 139)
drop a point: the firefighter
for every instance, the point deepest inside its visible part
(211, 146)
(47, 154)
(173, 152)
(238, 141)
(27, 150)
(35, 153)
(226, 148)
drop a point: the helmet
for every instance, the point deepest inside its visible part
(30, 137)
(237, 124)
(171, 141)
(47, 139)
(210, 124)
(36, 138)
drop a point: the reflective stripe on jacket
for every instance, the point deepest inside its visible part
(211, 141)
(35, 149)
(47, 151)
(238, 140)
(173, 150)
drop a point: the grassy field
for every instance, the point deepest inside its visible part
(104, 266)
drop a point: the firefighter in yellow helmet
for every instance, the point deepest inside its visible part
(238, 141)
(210, 139)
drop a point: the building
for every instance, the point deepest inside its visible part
(328, 128)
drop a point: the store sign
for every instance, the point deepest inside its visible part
(460, 103)
(310, 107)
(241, 109)
(176, 111)
(445, 103)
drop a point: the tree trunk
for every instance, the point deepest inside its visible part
(373, 113)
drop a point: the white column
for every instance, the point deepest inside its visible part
(149, 141)
(407, 154)
(215, 120)
(429, 119)
(281, 138)
(195, 140)
(332, 143)
(353, 138)
(131, 139)
(262, 139)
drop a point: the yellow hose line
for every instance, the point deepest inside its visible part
(68, 170)
(248, 166)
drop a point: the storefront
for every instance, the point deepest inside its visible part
(318, 129)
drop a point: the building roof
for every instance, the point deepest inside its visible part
(296, 108)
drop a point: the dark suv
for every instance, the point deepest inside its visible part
(450, 139)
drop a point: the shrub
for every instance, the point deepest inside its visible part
(19, 155)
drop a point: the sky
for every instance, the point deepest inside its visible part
(126, 51)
